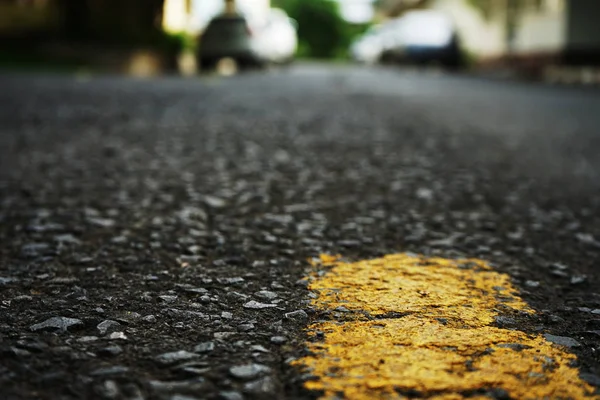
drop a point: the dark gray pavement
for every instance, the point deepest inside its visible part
(167, 223)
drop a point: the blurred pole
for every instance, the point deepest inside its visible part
(188, 15)
(230, 7)
(512, 20)
(188, 65)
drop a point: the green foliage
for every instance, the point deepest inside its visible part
(176, 42)
(322, 32)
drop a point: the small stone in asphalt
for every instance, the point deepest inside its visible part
(107, 325)
(505, 321)
(117, 336)
(34, 249)
(56, 323)
(167, 298)
(214, 202)
(278, 340)
(23, 298)
(16, 352)
(4, 280)
(578, 279)
(205, 347)
(197, 385)
(591, 378)
(230, 281)
(111, 351)
(119, 239)
(298, 315)
(114, 370)
(101, 222)
(174, 357)
(66, 238)
(532, 284)
(514, 346)
(585, 238)
(277, 285)
(258, 306)
(498, 394)
(562, 340)
(86, 339)
(149, 319)
(266, 294)
(424, 194)
(223, 335)
(248, 371)
(231, 396)
(556, 319)
(259, 348)
(245, 327)
(262, 386)
(302, 283)
(108, 389)
(559, 266)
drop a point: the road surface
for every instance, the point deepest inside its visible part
(168, 238)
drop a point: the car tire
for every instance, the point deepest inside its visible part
(207, 64)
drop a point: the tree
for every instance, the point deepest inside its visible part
(75, 18)
(322, 32)
(111, 20)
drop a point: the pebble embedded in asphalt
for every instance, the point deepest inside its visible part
(108, 326)
(248, 371)
(298, 315)
(255, 305)
(174, 357)
(562, 340)
(278, 339)
(56, 323)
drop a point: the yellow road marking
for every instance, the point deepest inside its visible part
(424, 328)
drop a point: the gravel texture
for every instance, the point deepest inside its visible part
(155, 234)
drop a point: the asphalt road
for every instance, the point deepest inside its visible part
(155, 233)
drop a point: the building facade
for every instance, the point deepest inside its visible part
(531, 34)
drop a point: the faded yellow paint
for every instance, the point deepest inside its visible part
(419, 327)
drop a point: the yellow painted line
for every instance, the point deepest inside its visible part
(419, 327)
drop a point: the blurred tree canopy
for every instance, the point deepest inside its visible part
(136, 21)
(322, 32)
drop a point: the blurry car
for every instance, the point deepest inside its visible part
(227, 36)
(430, 36)
(276, 40)
(379, 44)
(249, 43)
(369, 48)
(420, 36)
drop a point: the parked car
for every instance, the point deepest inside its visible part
(276, 40)
(249, 43)
(420, 36)
(370, 48)
(227, 36)
(430, 36)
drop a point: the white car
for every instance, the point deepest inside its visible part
(419, 36)
(275, 40)
(272, 40)
(367, 49)
(378, 43)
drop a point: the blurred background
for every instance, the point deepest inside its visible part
(553, 39)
